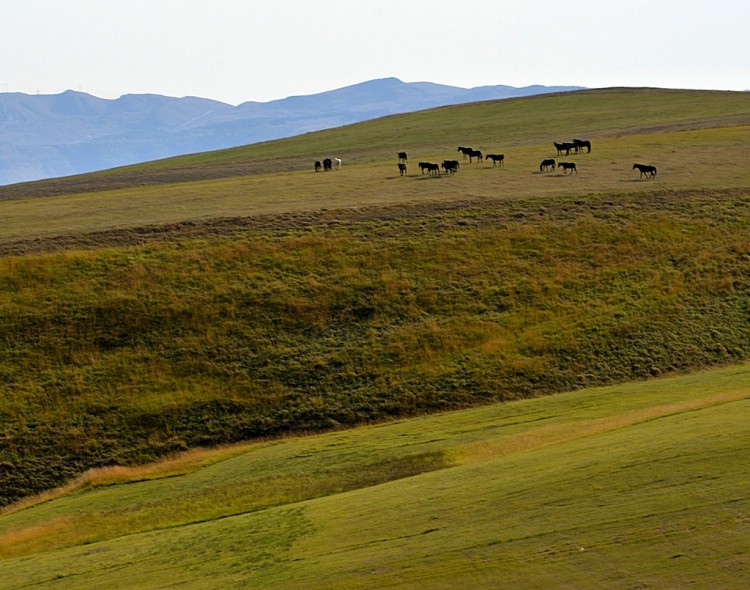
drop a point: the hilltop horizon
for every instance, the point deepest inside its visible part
(53, 135)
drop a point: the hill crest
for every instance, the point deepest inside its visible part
(48, 136)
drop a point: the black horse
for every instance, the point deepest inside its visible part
(327, 164)
(317, 166)
(402, 169)
(563, 147)
(645, 170)
(547, 164)
(464, 150)
(579, 144)
(450, 166)
(497, 159)
(432, 168)
(402, 157)
(474, 154)
(567, 166)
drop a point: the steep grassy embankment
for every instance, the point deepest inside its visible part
(633, 486)
(174, 313)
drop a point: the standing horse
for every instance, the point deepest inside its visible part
(317, 165)
(450, 166)
(327, 164)
(547, 164)
(464, 150)
(582, 143)
(496, 159)
(645, 170)
(563, 147)
(474, 154)
(402, 157)
(430, 167)
(402, 169)
(567, 166)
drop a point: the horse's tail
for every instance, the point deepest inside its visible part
(654, 170)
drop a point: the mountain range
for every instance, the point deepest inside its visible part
(45, 136)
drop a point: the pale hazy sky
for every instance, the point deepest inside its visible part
(240, 50)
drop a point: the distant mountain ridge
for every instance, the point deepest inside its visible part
(45, 136)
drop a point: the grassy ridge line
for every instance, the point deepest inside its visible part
(597, 510)
(491, 126)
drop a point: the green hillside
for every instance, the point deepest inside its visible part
(642, 485)
(239, 295)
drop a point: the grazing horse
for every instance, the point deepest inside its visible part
(450, 166)
(579, 144)
(317, 165)
(402, 169)
(474, 154)
(496, 159)
(327, 164)
(547, 164)
(567, 166)
(402, 157)
(433, 168)
(562, 147)
(645, 169)
(464, 150)
(430, 167)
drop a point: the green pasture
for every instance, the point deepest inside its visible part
(238, 295)
(639, 485)
(694, 138)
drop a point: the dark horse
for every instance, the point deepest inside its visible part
(327, 164)
(402, 157)
(496, 159)
(546, 164)
(317, 166)
(450, 166)
(402, 169)
(567, 166)
(579, 144)
(645, 169)
(430, 167)
(464, 150)
(563, 147)
(474, 154)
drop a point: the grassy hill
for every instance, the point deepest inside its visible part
(238, 295)
(642, 485)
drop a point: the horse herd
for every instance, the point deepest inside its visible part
(451, 166)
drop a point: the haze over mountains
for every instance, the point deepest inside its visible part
(45, 136)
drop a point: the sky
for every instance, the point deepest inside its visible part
(250, 50)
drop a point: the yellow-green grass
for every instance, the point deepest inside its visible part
(266, 299)
(638, 485)
(702, 158)
(694, 139)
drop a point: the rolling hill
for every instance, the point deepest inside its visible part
(637, 485)
(46, 136)
(238, 295)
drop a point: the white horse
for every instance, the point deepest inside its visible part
(338, 163)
